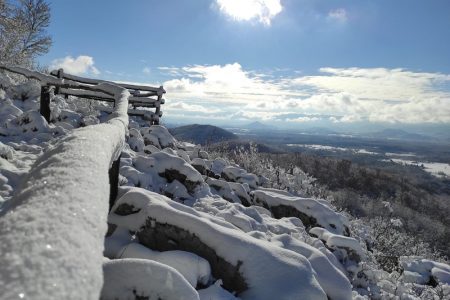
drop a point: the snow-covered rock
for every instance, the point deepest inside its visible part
(158, 136)
(236, 174)
(332, 280)
(136, 141)
(168, 173)
(255, 269)
(193, 268)
(216, 292)
(310, 211)
(222, 188)
(351, 247)
(424, 271)
(144, 279)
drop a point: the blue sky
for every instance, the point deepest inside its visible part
(290, 62)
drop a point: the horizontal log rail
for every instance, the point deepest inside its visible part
(141, 94)
(71, 85)
(133, 100)
(156, 90)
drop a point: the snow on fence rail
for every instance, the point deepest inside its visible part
(66, 84)
(141, 95)
(52, 230)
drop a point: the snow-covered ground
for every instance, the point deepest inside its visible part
(184, 226)
(434, 168)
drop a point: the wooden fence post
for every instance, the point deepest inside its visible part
(45, 102)
(60, 75)
(114, 182)
(158, 108)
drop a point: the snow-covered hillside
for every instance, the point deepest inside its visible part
(184, 225)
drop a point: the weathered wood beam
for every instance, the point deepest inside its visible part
(135, 101)
(158, 91)
(45, 103)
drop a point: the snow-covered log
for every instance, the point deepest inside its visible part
(46, 80)
(255, 269)
(52, 230)
(158, 91)
(137, 101)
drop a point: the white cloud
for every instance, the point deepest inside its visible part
(83, 64)
(227, 84)
(338, 95)
(338, 14)
(245, 10)
(182, 106)
(146, 70)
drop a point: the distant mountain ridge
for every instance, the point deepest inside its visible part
(399, 134)
(202, 134)
(257, 126)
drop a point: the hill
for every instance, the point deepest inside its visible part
(202, 134)
(391, 133)
(258, 126)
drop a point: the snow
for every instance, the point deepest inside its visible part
(164, 172)
(130, 278)
(240, 175)
(193, 268)
(334, 241)
(159, 136)
(281, 233)
(218, 165)
(418, 270)
(216, 292)
(52, 230)
(323, 215)
(270, 272)
(222, 188)
(434, 168)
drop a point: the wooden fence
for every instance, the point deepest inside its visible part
(52, 230)
(141, 96)
(59, 82)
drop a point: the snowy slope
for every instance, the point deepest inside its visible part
(185, 225)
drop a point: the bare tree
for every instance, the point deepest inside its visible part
(23, 33)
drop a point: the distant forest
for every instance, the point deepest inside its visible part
(377, 195)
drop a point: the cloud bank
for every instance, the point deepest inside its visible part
(334, 94)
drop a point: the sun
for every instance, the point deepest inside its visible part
(246, 10)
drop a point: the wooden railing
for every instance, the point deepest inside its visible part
(59, 82)
(94, 89)
(141, 95)
(52, 230)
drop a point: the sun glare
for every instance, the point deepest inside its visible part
(246, 10)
